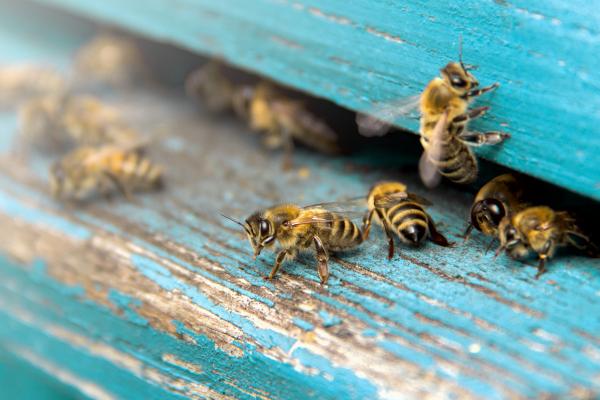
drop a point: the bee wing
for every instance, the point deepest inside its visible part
(389, 200)
(379, 120)
(354, 208)
(427, 169)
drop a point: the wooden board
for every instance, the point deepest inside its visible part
(360, 53)
(160, 299)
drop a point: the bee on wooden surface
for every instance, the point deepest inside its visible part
(444, 109)
(283, 120)
(19, 82)
(291, 229)
(88, 171)
(210, 86)
(59, 121)
(500, 197)
(401, 214)
(542, 230)
(110, 59)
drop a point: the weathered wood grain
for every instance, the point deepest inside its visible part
(159, 298)
(362, 52)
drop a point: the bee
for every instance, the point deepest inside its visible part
(58, 121)
(283, 119)
(110, 59)
(88, 171)
(500, 197)
(541, 230)
(445, 112)
(18, 82)
(291, 229)
(401, 214)
(209, 85)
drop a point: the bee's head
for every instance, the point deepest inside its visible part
(487, 214)
(260, 232)
(508, 234)
(457, 75)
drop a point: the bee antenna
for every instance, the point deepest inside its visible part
(460, 42)
(232, 219)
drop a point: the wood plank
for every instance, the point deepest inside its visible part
(160, 298)
(360, 53)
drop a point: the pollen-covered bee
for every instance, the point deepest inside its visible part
(542, 230)
(401, 214)
(500, 197)
(444, 108)
(210, 85)
(19, 82)
(283, 119)
(89, 171)
(290, 229)
(110, 59)
(59, 121)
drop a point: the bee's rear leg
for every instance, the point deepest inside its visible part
(322, 259)
(437, 237)
(119, 185)
(388, 232)
(483, 138)
(278, 260)
(480, 91)
(366, 228)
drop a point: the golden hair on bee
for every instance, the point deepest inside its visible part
(89, 171)
(543, 231)
(289, 229)
(401, 214)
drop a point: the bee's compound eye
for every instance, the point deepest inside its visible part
(495, 210)
(457, 81)
(264, 228)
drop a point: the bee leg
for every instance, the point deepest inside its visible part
(366, 228)
(280, 257)
(479, 92)
(489, 246)
(467, 233)
(483, 138)
(389, 233)
(120, 186)
(437, 237)
(322, 258)
(541, 267)
(469, 115)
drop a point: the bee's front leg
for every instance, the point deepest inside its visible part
(322, 259)
(480, 91)
(541, 267)
(483, 138)
(278, 260)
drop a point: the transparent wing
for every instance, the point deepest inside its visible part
(328, 212)
(427, 169)
(379, 120)
(395, 198)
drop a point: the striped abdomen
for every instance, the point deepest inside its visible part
(133, 170)
(456, 161)
(339, 234)
(409, 220)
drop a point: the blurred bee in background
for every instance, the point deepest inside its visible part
(401, 214)
(19, 82)
(210, 86)
(499, 198)
(444, 108)
(59, 121)
(542, 230)
(110, 59)
(283, 119)
(296, 229)
(89, 171)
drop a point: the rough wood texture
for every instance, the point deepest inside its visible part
(160, 299)
(362, 52)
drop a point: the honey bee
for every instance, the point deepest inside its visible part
(444, 109)
(88, 171)
(291, 229)
(283, 119)
(500, 197)
(209, 85)
(57, 121)
(19, 82)
(402, 214)
(110, 59)
(541, 230)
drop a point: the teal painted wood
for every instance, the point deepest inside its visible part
(362, 52)
(161, 299)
